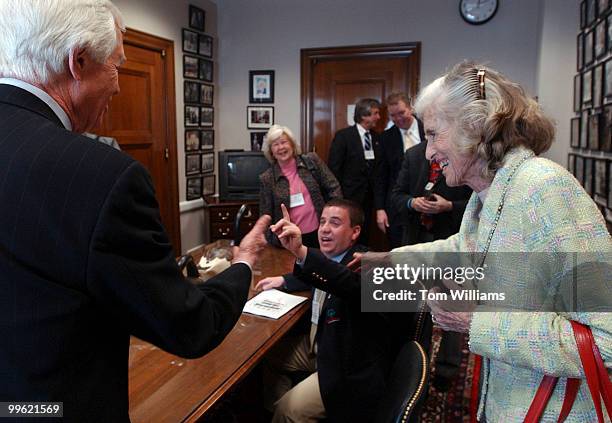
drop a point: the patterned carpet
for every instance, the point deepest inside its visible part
(453, 405)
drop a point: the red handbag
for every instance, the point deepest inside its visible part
(596, 375)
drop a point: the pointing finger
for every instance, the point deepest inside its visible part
(285, 213)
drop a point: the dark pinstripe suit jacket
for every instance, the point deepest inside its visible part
(84, 263)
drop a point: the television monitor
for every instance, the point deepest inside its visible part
(239, 174)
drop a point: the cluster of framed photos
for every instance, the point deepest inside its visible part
(198, 96)
(591, 128)
(261, 91)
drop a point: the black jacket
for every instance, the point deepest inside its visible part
(347, 162)
(84, 263)
(388, 166)
(355, 350)
(411, 183)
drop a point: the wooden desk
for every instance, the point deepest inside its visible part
(167, 388)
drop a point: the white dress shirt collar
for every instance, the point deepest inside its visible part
(43, 96)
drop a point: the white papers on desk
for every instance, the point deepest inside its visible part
(272, 303)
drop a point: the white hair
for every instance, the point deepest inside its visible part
(274, 133)
(39, 35)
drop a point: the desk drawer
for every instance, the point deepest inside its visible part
(222, 231)
(223, 214)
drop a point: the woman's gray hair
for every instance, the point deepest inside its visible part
(489, 121)
(274, 133)
(39, 35)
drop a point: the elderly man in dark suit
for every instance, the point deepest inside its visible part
(406, 132)
(84, 259)
(352, 158)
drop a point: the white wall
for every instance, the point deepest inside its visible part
(166, 19)
(268, 34)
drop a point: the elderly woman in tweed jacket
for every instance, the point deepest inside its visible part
(300, 181)
(486, 133)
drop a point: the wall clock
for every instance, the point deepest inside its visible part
(477, 12)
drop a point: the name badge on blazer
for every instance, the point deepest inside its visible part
(369, 154)
(296, 200)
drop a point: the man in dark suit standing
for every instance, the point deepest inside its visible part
(348, 353)
(406, 132)
(352, 157)
(84, 259)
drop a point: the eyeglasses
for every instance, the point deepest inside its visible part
(481, 83)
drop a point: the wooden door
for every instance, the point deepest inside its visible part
(333, 78)
(142, 117)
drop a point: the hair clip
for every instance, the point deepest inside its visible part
(481, 83)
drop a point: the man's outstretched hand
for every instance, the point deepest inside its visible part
(253, 243)
(289, 235)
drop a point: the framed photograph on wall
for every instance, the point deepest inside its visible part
(575, 132)
(605, 142)
(602, 7)
(579, 52)
(190, 41)
(584, 129)
(257, 139)
(261, 86)
(207, 116)
(209, 185)
(208, 162)
(609, 32)
(192, 140)
(588, 48)
(597, 85)
(587, 87)
(609, 184)
(594, 128)
(194, 188)
(588, 175)
(607, 90)
(197, 18)
(583, 14)
(259, 117)
(205, 45)
(190, 67)
(205, 70)
(571, 160)
(206, 94)
(578, 93)
(191, 92)
(591, 11)
(600, 39)
(208, 139)
(192, 116)
(192, 164)
(579, 168)
(601, 178)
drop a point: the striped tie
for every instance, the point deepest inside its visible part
(368, 142)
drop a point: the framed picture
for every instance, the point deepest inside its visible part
(588, 47)
(191, 92)
(257, 139)
(190, 67)
(208, 162)
(601, 178)
(579, 52)
(260, 117)
(194, 188)
(579, 168)
(605, 142)
(261, 86)
(192, 140)
(571, 161)
(588, 175)
(208, 139)
(587, 87)
(197, 18)
(575, 132)
(591, 11)
(602, 7)
(192, 164)
(192, 116)
(609, 32)
(577, 93)
(209, 185)
(600, 39)
(207, 116)
(597, 85)
(584, 129)
(205, 45)
(609, 184)
(205, 70)
(583, 14)
(607, 91)
(206, 94)
(190, 41)
(594, 127)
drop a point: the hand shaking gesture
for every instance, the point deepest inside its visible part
(289, 235)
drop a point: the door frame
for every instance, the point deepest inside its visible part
(165, 48)
(309, 57)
